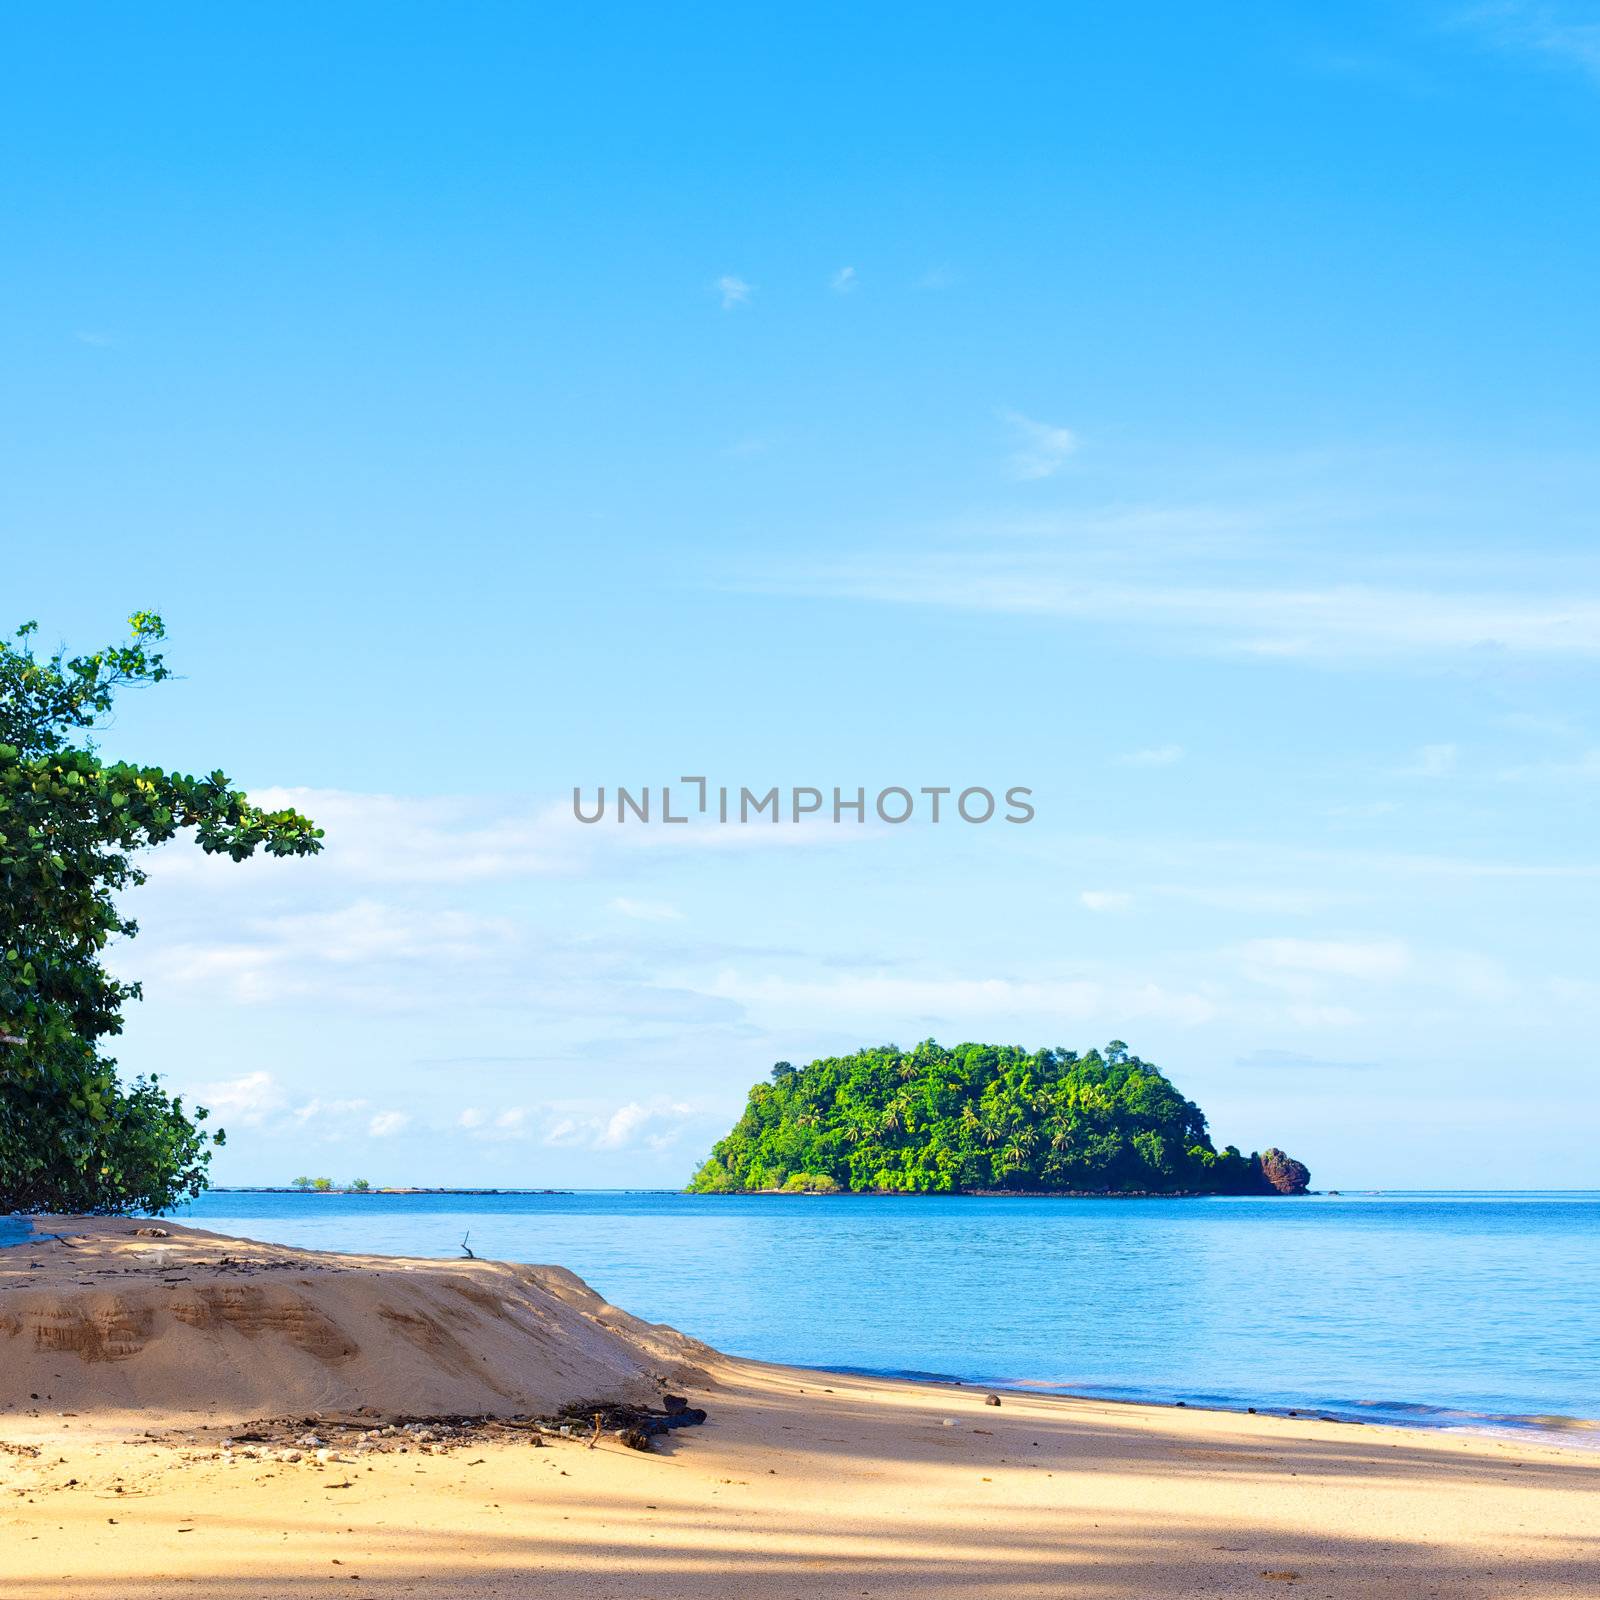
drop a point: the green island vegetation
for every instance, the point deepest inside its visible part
(73, 1137)
(980, 1118)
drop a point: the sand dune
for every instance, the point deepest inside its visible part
(111, 1321)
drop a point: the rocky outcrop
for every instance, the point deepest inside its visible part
(1283, 1173)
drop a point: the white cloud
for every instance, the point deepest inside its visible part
(403, 839)
(327, 1112)
(1342, 623)
(646, 910)
(1105, 900)
(734, 291)
(657, 1126)
(1161, 755)
(623, 1126)
(258, 1101)
(633, 1123)
(895, 1005)
(389, 842)
(844, 281)
(1431, 761)
(244, 1102)
(367, 951)
(1044, 447)
(510, 1123)
(1343, 958)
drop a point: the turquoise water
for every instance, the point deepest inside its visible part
(1442, 1308)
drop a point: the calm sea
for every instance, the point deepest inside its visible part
(1452, 1309)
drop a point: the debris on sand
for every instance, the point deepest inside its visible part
(320, 1439)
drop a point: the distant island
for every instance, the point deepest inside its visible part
(981, 1119)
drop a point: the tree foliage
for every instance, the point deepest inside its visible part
(942, 1121)
(72, 1137)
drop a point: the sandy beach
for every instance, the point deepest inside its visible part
(798, 1484)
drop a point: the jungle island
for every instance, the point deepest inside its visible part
(978, 1119)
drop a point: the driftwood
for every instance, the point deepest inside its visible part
(635, 1425)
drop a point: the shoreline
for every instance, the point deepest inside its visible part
(1555, 1430)
(1565, 1430)
(1002, 1194)
(826, 1484)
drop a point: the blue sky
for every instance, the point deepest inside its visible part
(1185, 412)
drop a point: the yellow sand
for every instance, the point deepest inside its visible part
(799, 1485)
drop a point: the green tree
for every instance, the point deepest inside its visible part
(322, 1185)
(72, 1136)
(301, 1183)
(360, 1185)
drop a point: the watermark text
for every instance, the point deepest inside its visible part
(696, 797)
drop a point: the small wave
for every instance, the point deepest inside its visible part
(1568, 1430)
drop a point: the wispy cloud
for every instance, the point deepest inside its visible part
(843, 281)
(886, 1004)
(646, 910)
(1557, 32)
(510, 1123)
(734, 291)
(1340, 623)
(1043, 447)
(1363, 810)
(1105, 900)
(330, 1117)
(244, 1102)
(1431, 761)
(1286, 1061)
(379, 842)
(369, 950)
(1160, 755)
(1585, 767)
(406, 839)
(260, 1102)
(1343, 958)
